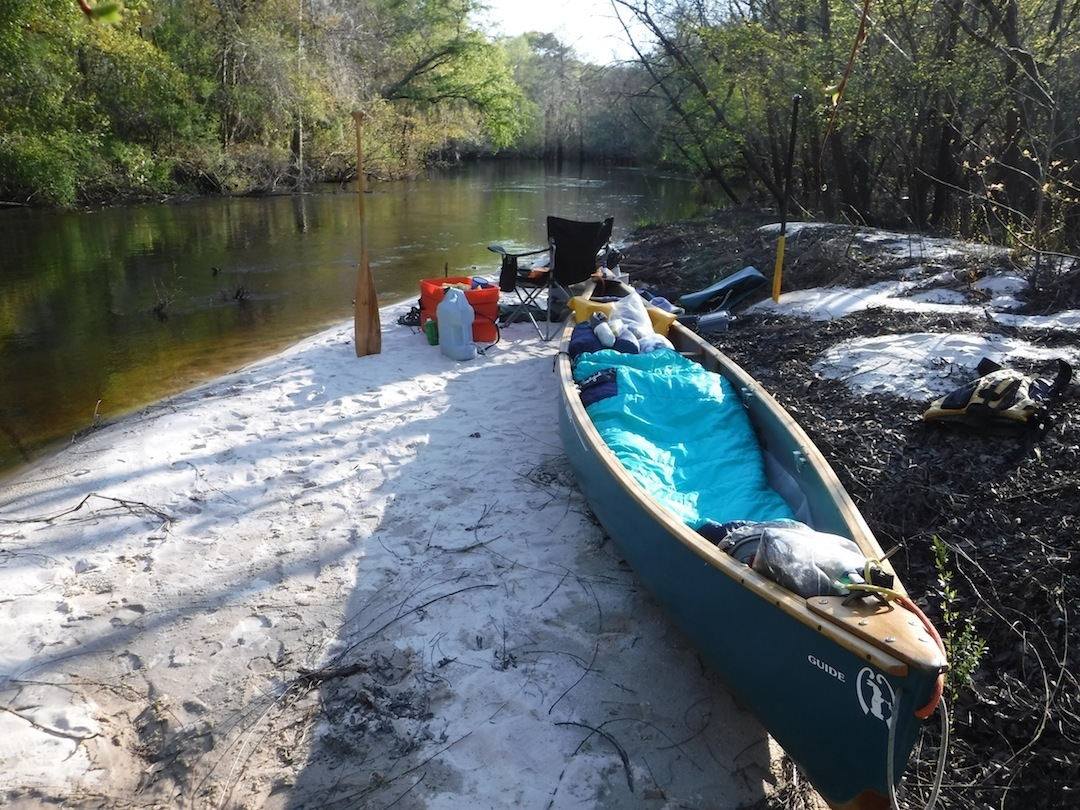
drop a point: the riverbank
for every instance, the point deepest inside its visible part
(336, 581)
(361, 577)
(871, 328)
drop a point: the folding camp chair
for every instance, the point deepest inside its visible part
(574, 251)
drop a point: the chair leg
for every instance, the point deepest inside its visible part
(532, 318)
(547, 324)
(548, 333)
(524, 307)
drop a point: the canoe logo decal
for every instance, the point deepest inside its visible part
(876, 694)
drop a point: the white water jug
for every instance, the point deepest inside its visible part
(455, 317)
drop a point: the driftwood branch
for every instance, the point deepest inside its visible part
(120, 504)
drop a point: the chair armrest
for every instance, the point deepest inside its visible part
(503, 252)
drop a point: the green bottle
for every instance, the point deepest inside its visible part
(431, 329)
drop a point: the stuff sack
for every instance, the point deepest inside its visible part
(796, 557)
(1002, 400)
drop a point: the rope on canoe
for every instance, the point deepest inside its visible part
(891, 595)
(939, 772)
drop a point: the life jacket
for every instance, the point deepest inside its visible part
(1002, 400)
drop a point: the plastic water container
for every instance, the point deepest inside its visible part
(455, 317)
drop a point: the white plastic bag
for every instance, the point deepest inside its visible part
(805, 561)
(630, 309)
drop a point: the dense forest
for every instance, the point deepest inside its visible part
(205, 96)
(956, 116)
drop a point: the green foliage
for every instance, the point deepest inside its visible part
(206, 94)
(41, 146)
(963, 644)
(87, 106)
(108, 12)
(552, 81)
(39, 168)
(144, 95)
(448, 80)
(37, 44)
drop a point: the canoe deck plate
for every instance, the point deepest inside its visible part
(886, 626)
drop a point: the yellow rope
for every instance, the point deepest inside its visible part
(890, 594)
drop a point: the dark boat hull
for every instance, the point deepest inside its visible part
(837, 702)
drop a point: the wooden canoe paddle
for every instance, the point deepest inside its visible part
(778, 270)
(367, 328)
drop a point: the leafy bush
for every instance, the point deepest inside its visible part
(38, 168)
(965, 646)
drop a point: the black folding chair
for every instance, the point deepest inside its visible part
(575, 249)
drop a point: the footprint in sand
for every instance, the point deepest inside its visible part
(126, 614)
(249, 629)
(130, 660)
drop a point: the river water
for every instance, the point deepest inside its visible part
(102, 312)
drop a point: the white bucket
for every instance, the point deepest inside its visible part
(455, 316)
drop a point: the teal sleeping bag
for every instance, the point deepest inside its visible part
(683, 434)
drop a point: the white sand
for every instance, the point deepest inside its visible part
(408, 526)
(167, 580)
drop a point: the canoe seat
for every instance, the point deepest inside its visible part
(725, 293)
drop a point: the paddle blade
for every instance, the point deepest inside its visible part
(778, 271)
(367, 330)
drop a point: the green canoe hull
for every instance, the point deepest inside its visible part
(836, 703)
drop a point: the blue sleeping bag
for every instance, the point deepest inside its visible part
(682, 433)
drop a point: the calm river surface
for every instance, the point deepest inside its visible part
(237, 279)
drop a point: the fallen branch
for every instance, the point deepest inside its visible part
(55, 732)
(133, 507)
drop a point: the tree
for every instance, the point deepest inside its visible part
(236, 94)
(552, 78)
(953, 116)
(444, 79)
(41, 147)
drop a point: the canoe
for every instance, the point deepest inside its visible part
(725, 293)
(844, 685)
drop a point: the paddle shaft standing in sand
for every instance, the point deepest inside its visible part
(778, 271)
(368, 330)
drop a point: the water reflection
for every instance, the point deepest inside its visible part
(104, 311)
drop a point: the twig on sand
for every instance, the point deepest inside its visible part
(622, 752)
(566, 574)
(121, 504)
(408, 790)
(50, 730)
(596, 646)
(311, 677)
(480, 524)
(244, 752)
